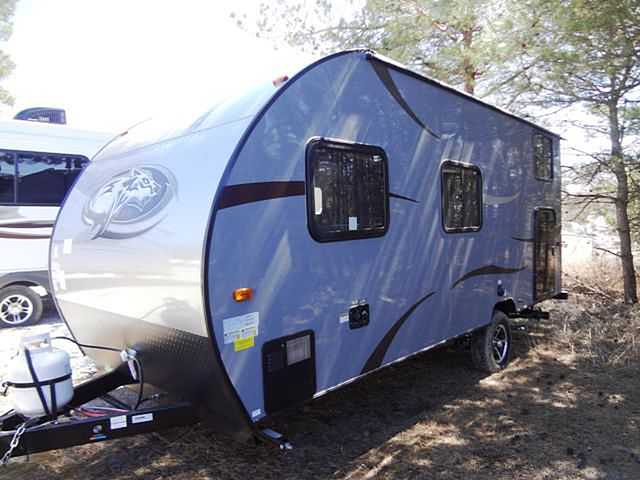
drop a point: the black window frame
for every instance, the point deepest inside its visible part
(536, 240)
(548, 138)
(323, 237)
(468, 166)
(16, 154)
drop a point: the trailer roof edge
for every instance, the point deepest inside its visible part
(372, 54)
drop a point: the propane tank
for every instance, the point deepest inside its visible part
(50, 369)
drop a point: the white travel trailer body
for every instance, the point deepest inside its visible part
(38, 164)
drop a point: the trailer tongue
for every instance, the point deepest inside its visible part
(94, 413)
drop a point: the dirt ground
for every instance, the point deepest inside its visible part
(568, 407)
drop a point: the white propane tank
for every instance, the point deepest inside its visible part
(51, 366)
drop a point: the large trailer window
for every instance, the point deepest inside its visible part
(7, 177)
(461, 197)
(347, 193)
(37, 178)
(543, 156)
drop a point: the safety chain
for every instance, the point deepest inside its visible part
(15, 441)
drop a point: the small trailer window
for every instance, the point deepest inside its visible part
(346, 190)
(462, 197)
(543, 155)
(7, 177)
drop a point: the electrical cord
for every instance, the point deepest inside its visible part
(140, 382)
(84, 345)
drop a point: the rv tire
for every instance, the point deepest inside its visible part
(491, 346)
(19, 306)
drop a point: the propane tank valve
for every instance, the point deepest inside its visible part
(130, 356)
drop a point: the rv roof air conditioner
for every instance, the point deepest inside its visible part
(43, 115)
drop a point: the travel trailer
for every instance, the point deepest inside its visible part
(301, 236)
(38, 165)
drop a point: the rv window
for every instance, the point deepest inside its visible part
(7, 177)
(347, 191)
(462, 197)
(543, 154)
(43, 179)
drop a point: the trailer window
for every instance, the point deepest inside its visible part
(346, 191)
(44, 179)
(462, 197)
(543, 155)
(7, 177)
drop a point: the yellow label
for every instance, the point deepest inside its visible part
(243, 344)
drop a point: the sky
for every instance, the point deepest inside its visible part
(113, 63)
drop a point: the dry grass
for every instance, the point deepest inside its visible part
(601, 329)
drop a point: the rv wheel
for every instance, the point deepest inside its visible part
(491, 346)
(19, 306)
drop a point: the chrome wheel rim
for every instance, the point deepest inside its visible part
(16, 309)
(500, 344)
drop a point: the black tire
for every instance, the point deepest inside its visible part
(491, 346)
(19, 296)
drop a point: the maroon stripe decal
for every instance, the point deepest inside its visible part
(28, 224)
(22, 236)
(242, 193)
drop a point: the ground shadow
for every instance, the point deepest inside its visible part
(429, 417)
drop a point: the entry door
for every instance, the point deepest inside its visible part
(547, 254)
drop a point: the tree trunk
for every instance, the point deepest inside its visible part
(622, 203)
(469, 71)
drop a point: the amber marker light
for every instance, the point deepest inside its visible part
(242, 294)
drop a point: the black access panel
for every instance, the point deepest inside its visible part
(288, 370)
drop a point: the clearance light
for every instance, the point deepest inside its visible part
(242, 294)
(280, 80)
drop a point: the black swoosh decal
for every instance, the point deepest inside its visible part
(242, 193)
(376, 358)
(487, 270)
(402, 197)
(385, 77)
(524, 239)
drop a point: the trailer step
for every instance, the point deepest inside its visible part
(272, 436)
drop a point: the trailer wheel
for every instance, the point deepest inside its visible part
(19, 306)
(491, 346)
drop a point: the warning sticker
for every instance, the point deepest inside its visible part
(240, 328)
(243, 344)
(142, 418)
(118, 422)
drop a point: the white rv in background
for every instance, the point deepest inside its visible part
(38, 164)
